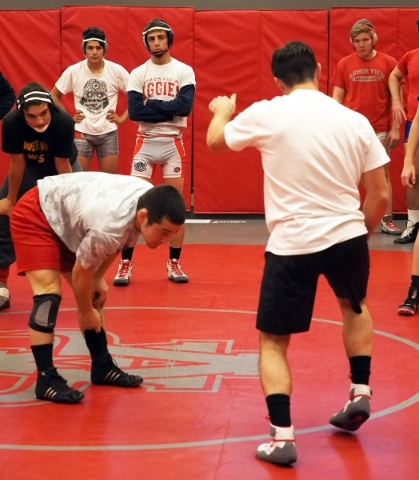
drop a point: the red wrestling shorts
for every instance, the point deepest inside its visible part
(36, 245)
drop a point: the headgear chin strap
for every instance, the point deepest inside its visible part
(31, 96)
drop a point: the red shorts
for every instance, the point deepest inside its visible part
(37, 246)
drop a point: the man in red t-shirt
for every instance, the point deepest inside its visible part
(408, 66)
(360, 82)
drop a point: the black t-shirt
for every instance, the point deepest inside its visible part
(40, 148)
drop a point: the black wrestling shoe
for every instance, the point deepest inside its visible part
(51, 386)
(410, 233)
(410, 305)
(105, 371)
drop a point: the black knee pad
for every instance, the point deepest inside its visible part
(44, 312)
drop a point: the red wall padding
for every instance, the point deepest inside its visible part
(397, 33)
(233, 51)
(230, 52)
(123, 26)
(27, 56)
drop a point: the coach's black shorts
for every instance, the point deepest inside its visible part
(289, 284)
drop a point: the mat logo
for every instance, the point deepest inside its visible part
(175, 366)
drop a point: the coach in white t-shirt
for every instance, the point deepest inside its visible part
(95, 83)
(315, 152)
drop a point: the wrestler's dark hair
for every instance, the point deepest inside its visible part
(94, 33)
(294, 63)
(163, 201)
(33, 93)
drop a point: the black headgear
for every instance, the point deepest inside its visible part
(35, 95)
(157, 24)
(94, 33)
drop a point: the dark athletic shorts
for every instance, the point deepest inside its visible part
(37, 246)
(289, 284)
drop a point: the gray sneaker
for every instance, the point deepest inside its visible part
(281, 450)
(356, 411)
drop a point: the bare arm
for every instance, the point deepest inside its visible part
(112, 116)
(394, 85)
(62, 165)
(16, 171)
(57, 97)
(222, 109)
(408, 176)
(338, 94)
(88, 291)
(376, 198)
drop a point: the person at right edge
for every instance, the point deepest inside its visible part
(314, 153)
(408, 66)
(409, 180)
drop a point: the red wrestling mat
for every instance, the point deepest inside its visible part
(200, 413)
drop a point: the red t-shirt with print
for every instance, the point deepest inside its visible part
(366, 87)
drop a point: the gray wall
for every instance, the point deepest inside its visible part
(212, 4)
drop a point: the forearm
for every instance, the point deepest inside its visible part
(374, 208)
(62, 165)
(215, 134)
(394, 87)
(124, 116)
(338, 94)
(56, 96)
(16, 172)
(105, 266)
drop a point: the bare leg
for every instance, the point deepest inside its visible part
(358, 329)
(84, 162)
(109, 164)
(274, 370)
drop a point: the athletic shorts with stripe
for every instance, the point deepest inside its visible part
(289, 284)
(165, 151)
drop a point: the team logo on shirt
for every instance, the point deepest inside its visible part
(95, 96)
(140, 166)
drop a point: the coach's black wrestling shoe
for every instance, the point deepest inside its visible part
(51, 386)
(105, 371)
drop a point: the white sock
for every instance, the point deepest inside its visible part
(413, 216)
(360, 390)
(283, 433)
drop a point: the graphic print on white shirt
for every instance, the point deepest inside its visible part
(95, 97)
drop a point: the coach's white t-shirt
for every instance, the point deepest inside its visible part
(314, 151)
(94, 94)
